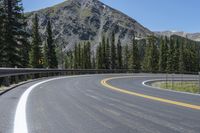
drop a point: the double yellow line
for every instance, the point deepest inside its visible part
(187, 105)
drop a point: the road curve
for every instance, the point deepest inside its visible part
(82, 104)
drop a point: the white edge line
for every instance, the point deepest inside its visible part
(154, 80)
(20, 121)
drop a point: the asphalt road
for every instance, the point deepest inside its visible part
(84, 105)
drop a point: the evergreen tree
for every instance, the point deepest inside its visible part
(146, 66)
(36, 57)
(151, 58)
(75, 57)
(83, 55)
(50, 53)
(24, 48)
(46, 55)
(155, 56)
(13, 29)
(170, 60)
(181, 60)
(193, 58)
(119, 55)
(176, 56)
(126, 57)
(70, 55)
(79, 57)
(107, 56)
(67, 62)
(2, 13)
(99, 56)
(163, 55)
(103, 52)
(113, 52)
(135, 57)
(88, 57)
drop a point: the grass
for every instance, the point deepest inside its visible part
(185, 86)
(2, 88)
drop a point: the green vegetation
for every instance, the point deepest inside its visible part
(50, 59)
(15, 49)
(152, 54)
(135, 57)
(36, 57)
(151, 57)
(184, 86)
(13, 37)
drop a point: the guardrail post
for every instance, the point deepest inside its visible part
(172, 81)
(166, 81)
(16, 79)
(32, 76)
(25, 77)
(181, 79)
(6, 81)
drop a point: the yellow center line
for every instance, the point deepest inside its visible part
(187, 105)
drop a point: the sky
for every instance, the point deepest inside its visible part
(156, 15)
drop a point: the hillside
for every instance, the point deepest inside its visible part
(191, 36)
(81, 20)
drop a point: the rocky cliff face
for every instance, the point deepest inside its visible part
(81, 20)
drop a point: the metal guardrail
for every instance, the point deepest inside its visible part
(4, 72)
(10, 76)
(15, 75)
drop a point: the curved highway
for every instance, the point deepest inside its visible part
(117, 103)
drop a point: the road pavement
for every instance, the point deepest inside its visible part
(82, 104)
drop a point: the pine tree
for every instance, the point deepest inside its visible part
(119, 55)
(107, 56)
(176, 55)
(50, 53)
(46, 55)
(2, 13)
(24, 49)
(36, 57)
(99, 56)
(193, 57)
(147, 58)
(75, 56)
(79, 57)
(83, 55)
(135, 57)
(103, 52)
(163, 55)
(181, 60)
(126, 57)
(170, 60)
(88, 57)
(151, 58)
(67, 62)
(113, 52)
(70, 55)
(13, 29)
(155, 56)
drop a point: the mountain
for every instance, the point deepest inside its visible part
(191, 36)
(75, 21)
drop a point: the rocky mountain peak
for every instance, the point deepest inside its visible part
(75, 21)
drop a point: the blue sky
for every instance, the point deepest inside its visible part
(157, 15)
